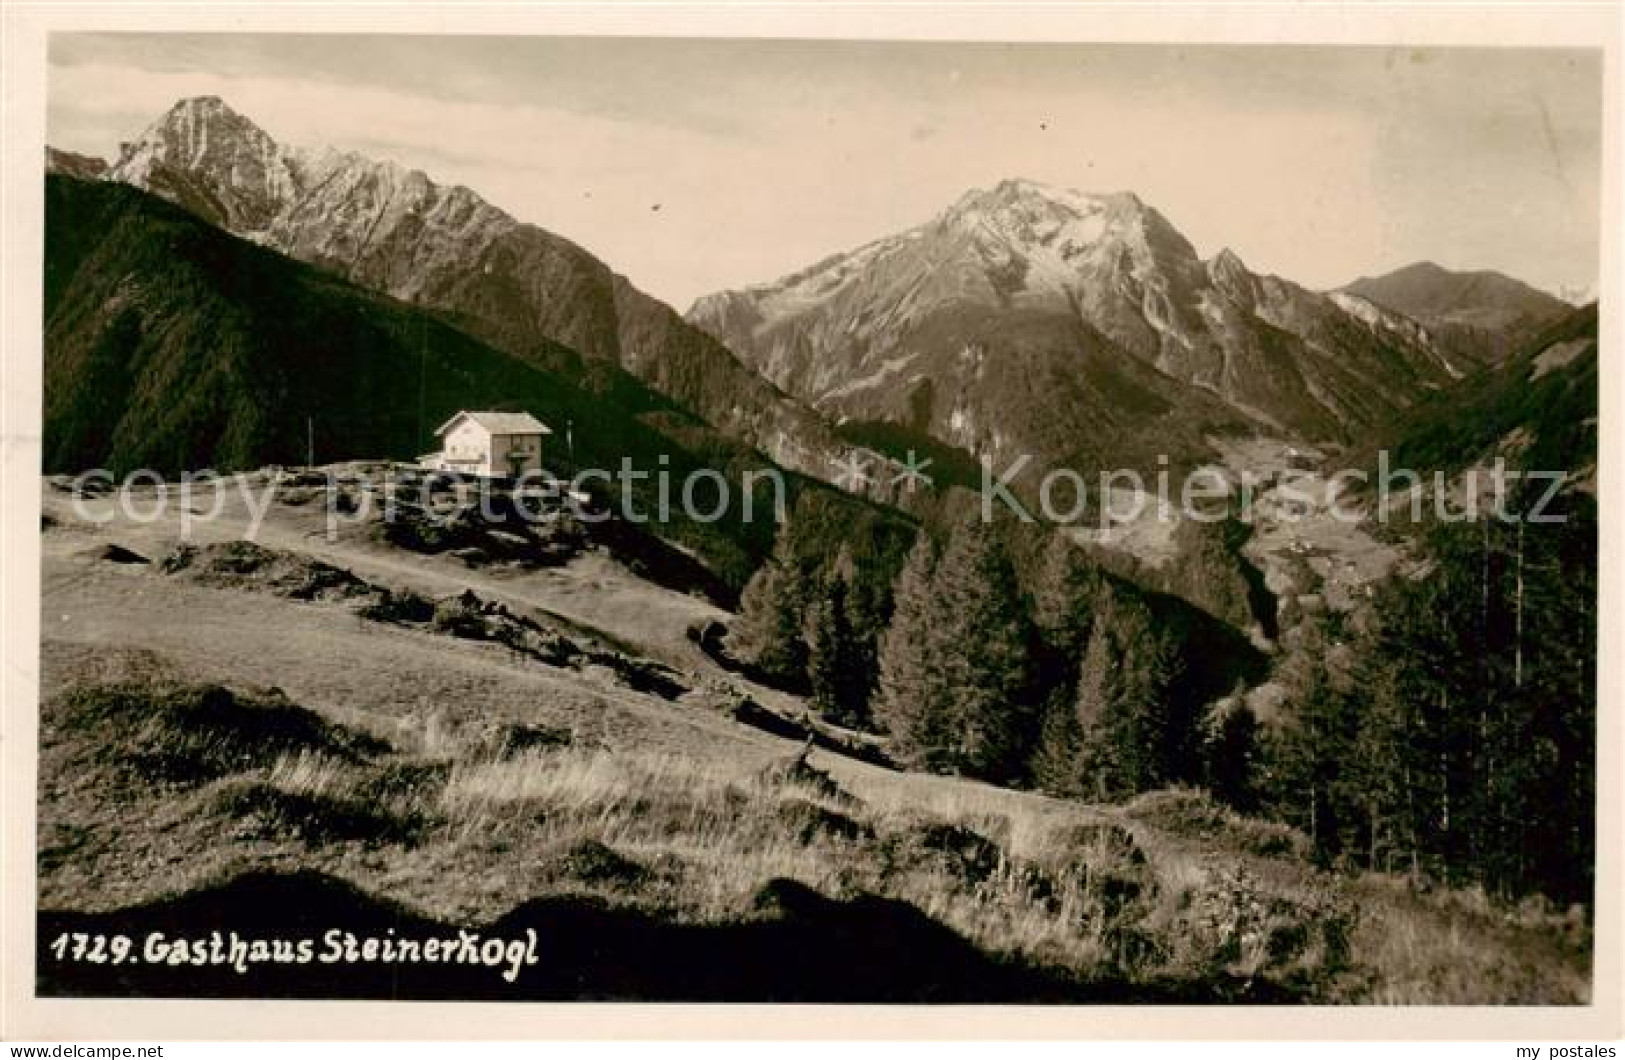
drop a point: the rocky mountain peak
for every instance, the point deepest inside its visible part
(213, 160)
(1098, 290)
(1482, 314)
(524, 290)
(1027, 213)
(333, 207)
(205, 106)
(1231, 277)
(1227, 261)
(193, 128)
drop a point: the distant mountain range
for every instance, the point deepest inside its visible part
(1481, 316)
(1026, 318)
(1084, 330)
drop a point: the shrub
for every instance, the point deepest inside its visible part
(796, 772)
(1191, 814)
(931, 845)
(591, 862)
(400, 607)
(502, 740)
(809, 822)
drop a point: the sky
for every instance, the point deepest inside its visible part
(697, 165)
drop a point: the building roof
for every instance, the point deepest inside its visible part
(500, 422)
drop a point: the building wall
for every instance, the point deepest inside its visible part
(469, 449)
(529, 446)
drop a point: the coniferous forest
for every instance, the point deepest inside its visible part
(1445, 729)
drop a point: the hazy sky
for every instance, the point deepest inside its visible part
(1319, 164)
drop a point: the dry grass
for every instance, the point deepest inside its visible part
(1458, 948)
(1170, 893)
(432, 772)
(1037, 881)
(310, 774)
(729, 830)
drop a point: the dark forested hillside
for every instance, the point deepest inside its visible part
(1451, 730)
(1538, 409)
(1455, 736)
(173, 346)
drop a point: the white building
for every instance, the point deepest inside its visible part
(490, 444)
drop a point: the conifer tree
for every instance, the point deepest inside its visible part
(955, 662)
(1122, 702)
(982, 644)
(835, 671)
(772, 609)
(1233, 753)
(1209, 570)
(1058, 764)
(1384, 761)
(1315, 749)
(1064, 596)
(907, 700)
(868, 608)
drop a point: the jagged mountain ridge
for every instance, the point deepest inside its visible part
(515, 285)
(863, 334)
(172, 345)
